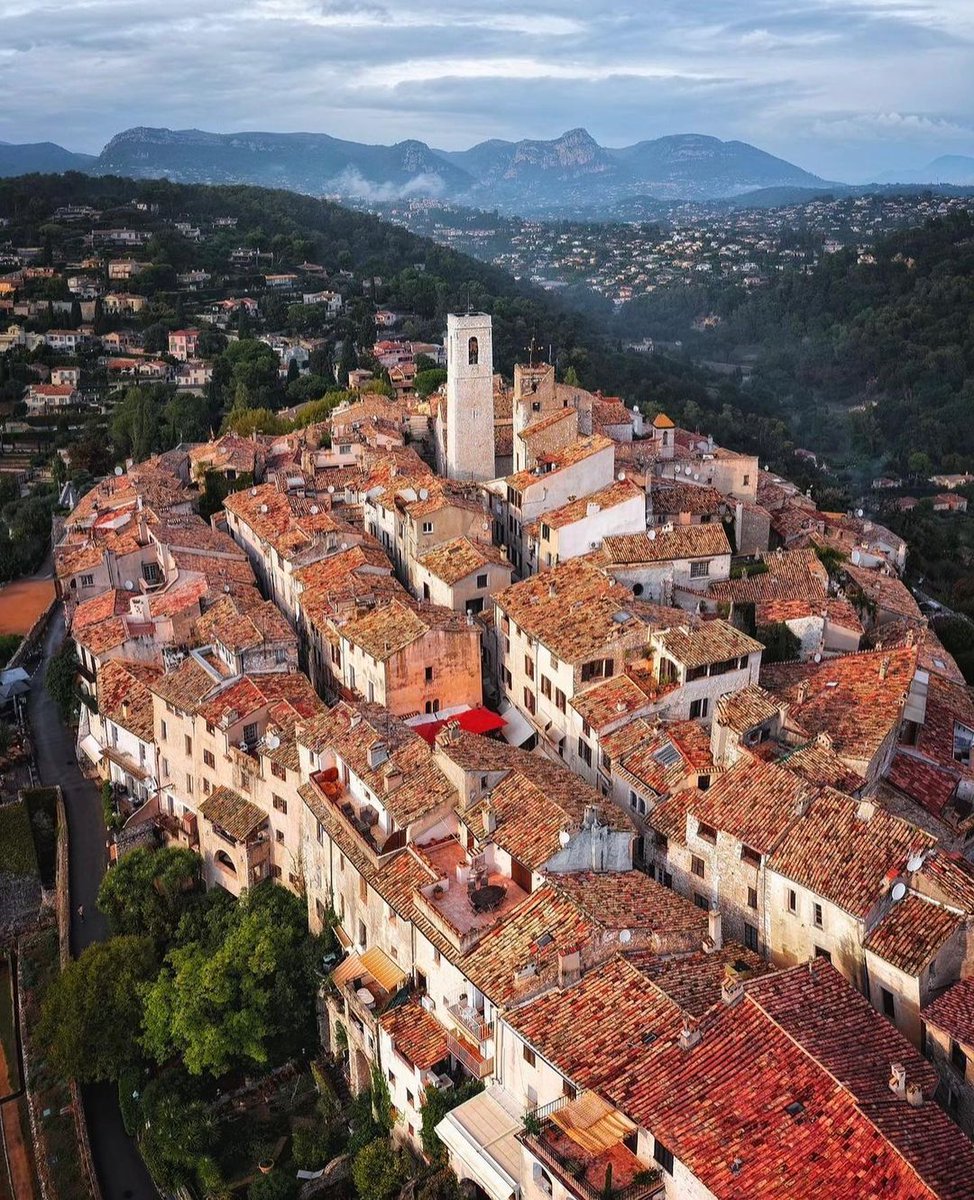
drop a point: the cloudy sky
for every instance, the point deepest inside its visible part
(846, 88)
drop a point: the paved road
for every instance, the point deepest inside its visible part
(120, 1169)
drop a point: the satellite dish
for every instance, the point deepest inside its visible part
(331, 489)
(315, 510)
(129, 585)
(272, 741)
(652, 535)
(859, 512)
(898, 891)
(688, 470)
(263, 508)
(625, 936)
(818, 656)
(696, 477)
(914, 862)
(119, 472)
(621, 476)
(253, 491)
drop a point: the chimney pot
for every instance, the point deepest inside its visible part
(897, 1080)
(914, 1095)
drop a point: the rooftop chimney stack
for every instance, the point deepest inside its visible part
(897, 1080)
(714, 927)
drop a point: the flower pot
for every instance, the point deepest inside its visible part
(266, 1166)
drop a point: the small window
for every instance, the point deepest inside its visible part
(163, 731)
(821, 952)
(750, 936)
(750, 855)
(279, 835)
(700, 568)
(189, 784)
(87, 581)
(363, 890)
(698, 867)
(817, 915)
(529, 666)
(546, 686)
(752, 897)
(889, 1003)
(707, 832)
(473, 352)
(701, 901)
(280, 804)
(699, 709)
(250, 734)
(208, 759)
(428, 674)
(663, 1156)
(427, 527)
(278, 771)
(559, 700)
(529, 1056)
(792, 901)
(482, 581)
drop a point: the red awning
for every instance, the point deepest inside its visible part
(474, 720)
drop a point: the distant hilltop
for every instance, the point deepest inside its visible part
(517, 176)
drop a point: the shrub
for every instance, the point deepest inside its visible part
(278, 1185)
(379, 1172)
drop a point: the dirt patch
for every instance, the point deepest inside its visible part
(19, 1165)
(22, 602)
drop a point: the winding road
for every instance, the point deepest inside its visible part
(121, 1171)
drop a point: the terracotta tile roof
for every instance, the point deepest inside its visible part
(229, 810)
(241, 624)
(739, 1134)
(124, 696)
(667, 758)
(559, 460)
(610, 700)
(856, 699)
(754, 802)
(584, 1031)
(948, 705)
(693, 981)
(546, 422)
(932, 655)
(186, 686)
(932, 787)
(820, 765)
(277, 691)
(456, 559)
(540, 928)
(743, 710)
(621, 491)
(669, 818)
(285, 522)
(912, 933)
(416, 1034)
(886, 591)
(657, 545)
(844, 850)
(351, 730)
(389, 628)
(951, 876)
(706, 642)
(618, 900)
(573, 609)
(791, 575)
(610, 412)
(674, 497)
(953, 1012)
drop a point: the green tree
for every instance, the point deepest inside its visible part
(178, 1130)
(379, 1172)
(149, 891)
(278, 1185)
(436, 1104)
(780, 644)
(60, 679)
(426, 382)
(93, 1010)
(240, 998)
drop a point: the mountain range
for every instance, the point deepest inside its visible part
(954, 169)
(522, 176)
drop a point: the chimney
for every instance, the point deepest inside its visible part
(914, 1094)
(393, 777)
(569, 967)
(490, 820)
(714, 927)
(732, 990)
(897, 1080)
(802, 693)
(884, 667)
(689, 1036)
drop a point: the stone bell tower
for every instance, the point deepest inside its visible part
(469, 397)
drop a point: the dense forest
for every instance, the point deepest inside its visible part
(386, 265)
(872, 356)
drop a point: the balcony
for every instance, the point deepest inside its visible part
(471, 1020)
(469, 1057)
(585, 1143)
(182, 830)
(361, 819)
(467, 900)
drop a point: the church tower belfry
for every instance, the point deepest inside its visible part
(469, 396)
